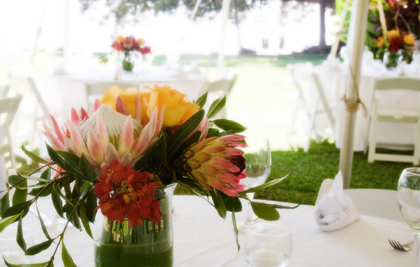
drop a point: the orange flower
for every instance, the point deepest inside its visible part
(409, 39)
(120, 38)
(141, 41)
(380, 42)
(393, 33)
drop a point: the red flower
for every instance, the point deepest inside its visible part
(125, 192)
(145, 50)
(395, 43)
(117, 46)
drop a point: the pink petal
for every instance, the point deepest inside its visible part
(75, 117)
(121, 108)
(57, 130)
(55, 143)
(96, 105)
(95, 147)
(69, 145)
(111, 154)
(232, 137)
(143, 141)
(102, 132)
(204, 129)
(138, 109)
(220, 163)
(83, 114)
(127, 137)
(77, 139)
(228, 178)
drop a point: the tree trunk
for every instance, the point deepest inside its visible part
(322, 6)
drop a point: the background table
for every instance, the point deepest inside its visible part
(202, 238)
(70, 88)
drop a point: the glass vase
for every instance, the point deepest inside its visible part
(128, 62)
(391, 59)
(147, 245)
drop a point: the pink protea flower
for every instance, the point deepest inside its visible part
(217, 163)
(129, 42)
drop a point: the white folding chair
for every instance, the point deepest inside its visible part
(400, 115)
(217, 89)
(96, 89)
(34, 107)
(374, 202)
(311, 101)
(8, 109)
(4, 90)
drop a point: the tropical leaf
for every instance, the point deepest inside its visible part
(265, 211)
(201, 101)
(229, 125)
(38, 248)
(216, 106)
(267, 184)
(4, 204)
(19, 236)
(219, 204)
(7, 221)
(33, 156)
(67, 260)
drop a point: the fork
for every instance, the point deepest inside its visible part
(397, 245)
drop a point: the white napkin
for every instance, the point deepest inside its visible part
(401, 68)
(335, 210)
(60, 69)
(332, 63)
(179, 73)
(194, 68)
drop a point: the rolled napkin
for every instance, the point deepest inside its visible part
(179, 73)
(336, 210)
(332, 63)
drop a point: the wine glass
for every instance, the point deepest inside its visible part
(258, 162)
(268, 245)
(409, 202)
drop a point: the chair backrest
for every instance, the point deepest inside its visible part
(374, 202)
(23, 82)
(4, 90)
(402, 83)
(98, 88)
(8, 109)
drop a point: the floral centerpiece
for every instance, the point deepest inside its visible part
(129, 45)
(124, 158)
(397, 46)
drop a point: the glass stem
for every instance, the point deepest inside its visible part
(250, 213)
(417, 241)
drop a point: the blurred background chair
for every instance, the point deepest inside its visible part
(8, 109)
(382, 113)
(312, 101)
(96, 89)
(217, 89)
(4, 90)
(374, 202)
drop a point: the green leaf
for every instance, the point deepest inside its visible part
(91, 203)
(146, 157)
(219, 204)
(38, 248)
(44, 229)
(229, 125)
(44, 193)
(71, 163)
(33, 156)
(20, 195)
(265, 211)
(46, 174)
(15, 180)
(39, 179)
(19, 237)
(216, 106)
(85, 221)
(235, 226)
(7, 221)
(55, 157)
(42, 264)
(86, 169)
(58, 204)
(161, 151)
(231, 203)
(67, 260)
(17, 209)
(176, 140)
(201, 101)
(268, 184)
(4, 204)
(277, 206)
(87, 187)
(212, 132)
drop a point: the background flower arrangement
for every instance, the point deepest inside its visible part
(115, 158)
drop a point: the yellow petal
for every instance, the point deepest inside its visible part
(192, 108)
(173, 116)
(110, 96)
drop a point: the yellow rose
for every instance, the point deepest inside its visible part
(393, 33)
(141, 41)
(380, 42)
(177, 110)
(120, 38)
(409, 39)
(128, 97)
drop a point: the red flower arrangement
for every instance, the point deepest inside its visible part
(128, 44)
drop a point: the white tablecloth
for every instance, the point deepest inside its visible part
(202, 238)
(72, 93)
(334, 85)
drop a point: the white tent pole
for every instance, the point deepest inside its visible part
(225, 17)
(67, 38)
(355, 45)
(38, 33)
(197, 4)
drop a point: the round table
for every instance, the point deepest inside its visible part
(69, 88)
(202, 238)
